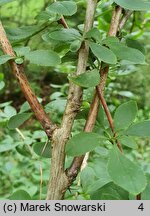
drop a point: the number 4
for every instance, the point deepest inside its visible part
(141, 207)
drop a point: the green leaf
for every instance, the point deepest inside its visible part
(87, 79)
(110, 191)
(25, 107)
(22, 33)
(19, 60)
(94, 33)
(140, 129)
(82, 143)
(18, 120)
(109, 40)
(65, 35)
(10, 111)
(123, 52)
(44, 15)
(138, 5)
(42, 149)
(98, 175)
(43, 58)
(125, 173)
(2, 2)
(48, 16)
(103, 53)
(7, 147)
(67, 8)
(24, 150)
(127, 94)
(135, 44)
(21, 51)
(5, 58)
(146, 192)
(20, 195)
(96, 185)
(56, 105)
(100, 166)
(127, 141)
(75, 46)
(125, 115)
(7, 144)
(87, 177)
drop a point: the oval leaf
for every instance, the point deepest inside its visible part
(24, 150)
(22, 33)
(67, 8)
(140, 129)
(42, 149)
(10, 111)
(125, 173)
(135, 44)
(87, 79)
(75, 46)
(7, 146)
(110, 191)
(43, 58)
(20, 195)
(82, 143)
(138, 5)
(5, 58)
(57, 105)
(17, 120)
(127, 141)
(103, 53)
(146, 192)
(127, 53)
(65, 35)
(125, 115)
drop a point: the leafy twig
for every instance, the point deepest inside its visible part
(109, 117)
(30, 96)
(77, 162)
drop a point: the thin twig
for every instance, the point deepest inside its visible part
(20, 133)
(109, 117)
(63, 22)
(125, 18)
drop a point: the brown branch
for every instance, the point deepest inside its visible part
(109, 117)
(106, 109)
(73, 170)
(138, 197)
(59, 181)
(63, 22)
(25, 87)
(125, 18)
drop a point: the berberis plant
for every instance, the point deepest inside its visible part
(94, 159)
